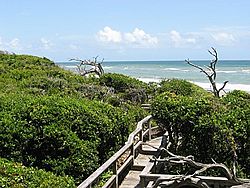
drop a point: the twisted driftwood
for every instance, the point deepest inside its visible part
(177, 159)
(96, 67)
(191, 179)
(211, 72)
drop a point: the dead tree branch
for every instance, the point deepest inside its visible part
(211, 72)
(201, 167)
(94, 66)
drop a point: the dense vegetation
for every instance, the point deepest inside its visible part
(54, 124)
(58, 121)
(16, 175)
(204, 126)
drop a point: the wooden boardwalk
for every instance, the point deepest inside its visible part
(133, 179)
(131, 165)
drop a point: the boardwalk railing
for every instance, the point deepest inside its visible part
(128, 153)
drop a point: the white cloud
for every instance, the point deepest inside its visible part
(109, 35)
(46, 44)
(136, 38)
(14, 44)
(179, 41)
(139, 37)
(223, 38)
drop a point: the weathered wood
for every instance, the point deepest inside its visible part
(149, 174)
(131, 180)
(111, 161)
(223, 181)
(211, 72)
(133, 177)
(200, 166)
(96, 67)
(142, 166)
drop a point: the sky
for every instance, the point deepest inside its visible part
(126, 29)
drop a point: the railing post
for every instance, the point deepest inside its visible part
(149, 130)
(116, 184)
(132, 153)
(141, 135)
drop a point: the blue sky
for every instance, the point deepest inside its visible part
(126, 29)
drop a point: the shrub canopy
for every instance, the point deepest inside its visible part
(58, 121)
(204, 126)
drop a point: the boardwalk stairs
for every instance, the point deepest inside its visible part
(133, 165)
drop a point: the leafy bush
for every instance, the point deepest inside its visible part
(47, 121)
(40, 76)
(178, 115)
(25, 61)
(128, 89)
(16, 175)
(62, 134)
(120, 82)
(238, 121)
(207, 127)
(31, 133)
(181, 87)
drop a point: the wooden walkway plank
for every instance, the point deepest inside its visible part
(132, 179)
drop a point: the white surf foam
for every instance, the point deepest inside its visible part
(228, 87)
(229, 72)
(147, 80)
(172, 69)
(107, 67)
(246, 70)
(206, 86)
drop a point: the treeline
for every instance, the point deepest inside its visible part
(68, 125)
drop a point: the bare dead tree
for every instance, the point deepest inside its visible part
(200, 167)
(171, 158)
(211, 72)
(89, 66)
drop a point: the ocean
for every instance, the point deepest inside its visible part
(237, 72)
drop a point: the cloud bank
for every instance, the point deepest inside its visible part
(223, 38)
(180, 41)
(109, 35)
(136, 38)
(11, 45)
(46, 44)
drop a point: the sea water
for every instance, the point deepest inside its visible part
(237, 72)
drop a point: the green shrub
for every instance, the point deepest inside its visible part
(31, 133)
(238, 120)
(126, 88)
(207, 127)
(62, 134)
(24, 61)
(181, 87)
(16, 175)
(47, 121)
(39, 76)
(120, 82)
(137, 96)
(178, 115)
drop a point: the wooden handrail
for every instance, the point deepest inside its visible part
(112, 162)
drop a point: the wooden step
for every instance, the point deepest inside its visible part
(142, 160)
(132, 180)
